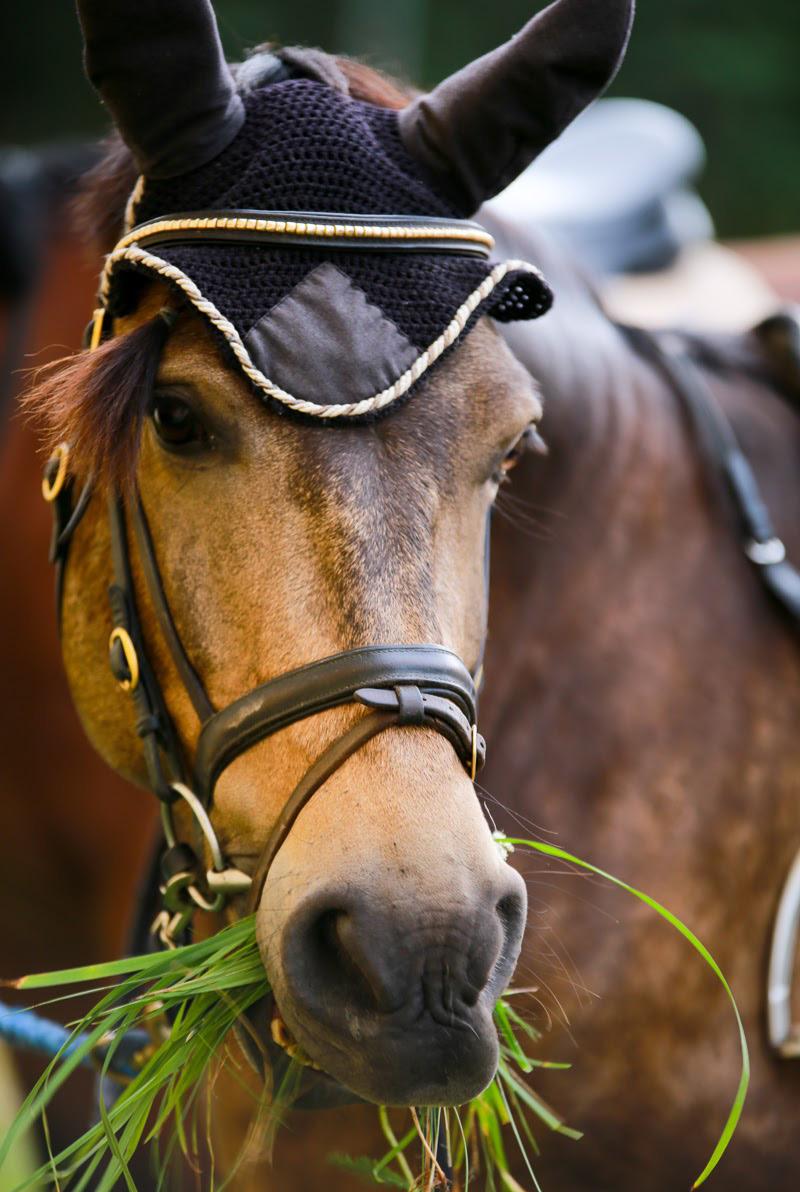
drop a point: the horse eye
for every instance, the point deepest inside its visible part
(175, 422)
(529, 440)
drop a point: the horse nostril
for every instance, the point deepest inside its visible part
(511, 911)
(323, 942)
(340, 951)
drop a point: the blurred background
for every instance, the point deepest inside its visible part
(729, 65)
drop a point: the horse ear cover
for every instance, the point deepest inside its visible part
(161, 72)
(480, 128)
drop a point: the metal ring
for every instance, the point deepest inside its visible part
(223, 881)
(51, 488)
(131, 657)
(474, 762)
(201, 815)
(784, 1035)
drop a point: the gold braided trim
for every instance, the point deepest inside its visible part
(292, 227)
(137, 256)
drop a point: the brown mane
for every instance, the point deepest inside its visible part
(97, 401)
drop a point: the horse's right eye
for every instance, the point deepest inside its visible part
(176, 423)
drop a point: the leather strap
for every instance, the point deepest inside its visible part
(326, 684)
(729, 465)
(189, 676)
(323, 768)
(403, 706)
(153, 722)
(416, 708)
(174, 229)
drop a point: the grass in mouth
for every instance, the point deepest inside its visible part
(203, 991)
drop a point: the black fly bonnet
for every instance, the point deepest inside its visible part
(327, 312)
(324, 239)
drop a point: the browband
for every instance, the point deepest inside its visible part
(382, 233)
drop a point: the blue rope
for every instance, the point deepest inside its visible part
(28, 1030)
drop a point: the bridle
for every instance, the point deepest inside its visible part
(398, 686)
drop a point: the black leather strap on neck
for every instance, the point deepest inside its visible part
(326, 684)
(189, 676)
(717, 441)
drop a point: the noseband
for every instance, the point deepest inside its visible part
(397, 686)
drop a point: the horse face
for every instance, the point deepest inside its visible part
(389, 923)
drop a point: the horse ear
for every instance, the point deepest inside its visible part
(159, 68)
(479, 129)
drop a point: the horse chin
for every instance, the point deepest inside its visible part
(400, 1063)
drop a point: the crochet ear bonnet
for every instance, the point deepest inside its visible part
(328, 241)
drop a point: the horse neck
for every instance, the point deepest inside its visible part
(608, 416)
(622, 606)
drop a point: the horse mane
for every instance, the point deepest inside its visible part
(97, 401)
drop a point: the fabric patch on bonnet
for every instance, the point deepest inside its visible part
(325, 339)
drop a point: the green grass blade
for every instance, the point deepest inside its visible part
(552, 850)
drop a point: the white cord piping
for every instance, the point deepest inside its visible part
(369, 405)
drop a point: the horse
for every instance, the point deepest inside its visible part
(637, 680)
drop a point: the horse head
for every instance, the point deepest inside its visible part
(300, 436)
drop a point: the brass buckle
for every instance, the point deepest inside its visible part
(52, 487)
(473, 769)
(131, 657)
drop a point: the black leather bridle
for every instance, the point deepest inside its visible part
(419, 686)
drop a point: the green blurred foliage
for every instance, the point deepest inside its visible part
(731, 66)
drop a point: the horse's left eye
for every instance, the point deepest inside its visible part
(176, 423)
(529, 440)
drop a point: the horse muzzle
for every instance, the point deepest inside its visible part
(393, 995)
